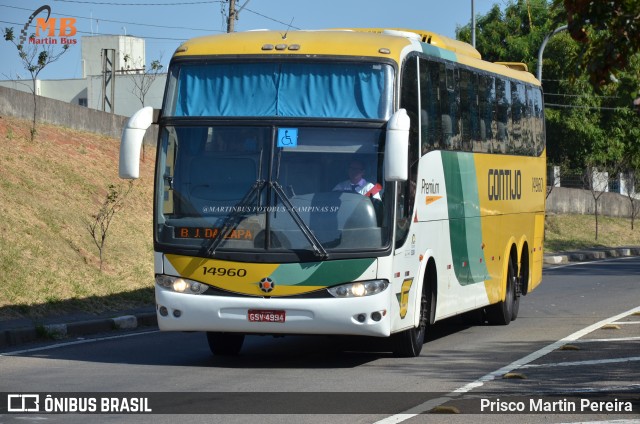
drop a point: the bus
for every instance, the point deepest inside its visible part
(258, 226)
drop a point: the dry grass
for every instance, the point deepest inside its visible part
(49, 190)
(575, 232)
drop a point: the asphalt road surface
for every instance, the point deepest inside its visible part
(571, 356)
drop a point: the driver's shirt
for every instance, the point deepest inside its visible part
(363, 187)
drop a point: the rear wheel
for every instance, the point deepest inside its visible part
(502, 313)
(225, 344)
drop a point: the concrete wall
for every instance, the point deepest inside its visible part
(20, 104)
(572, 200)
(90, 88)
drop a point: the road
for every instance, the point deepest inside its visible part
(578, 332)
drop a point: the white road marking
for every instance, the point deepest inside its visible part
(624, 258)
(619, 339)
(76, 342)
(519, 363)
(579, 363)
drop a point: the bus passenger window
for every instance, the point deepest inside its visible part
(450, 106)
(486, 106)
(430, 122)
(503, 98)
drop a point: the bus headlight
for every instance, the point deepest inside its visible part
(359, 289)
(181, 285)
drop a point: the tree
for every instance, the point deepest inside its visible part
(34, 58)
(99, 227)
(608, 33)
(141, 76)
(630, 191)
(514, 35)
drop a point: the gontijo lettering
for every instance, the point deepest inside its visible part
(504, 184)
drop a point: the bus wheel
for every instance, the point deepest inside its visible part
(502, 313)
(225, 344)
(516, 299)
(408, 344)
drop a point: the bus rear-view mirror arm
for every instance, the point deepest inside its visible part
(396, 155)
(131, 142)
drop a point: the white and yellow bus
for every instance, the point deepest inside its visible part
(363, 182)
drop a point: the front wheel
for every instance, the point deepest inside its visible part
(225, 344)
(408, 344)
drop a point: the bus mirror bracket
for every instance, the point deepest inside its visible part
(396, 155)
(131, 142)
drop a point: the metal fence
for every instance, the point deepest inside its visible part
(623, 183)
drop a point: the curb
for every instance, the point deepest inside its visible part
(23, 335)
(590, 255)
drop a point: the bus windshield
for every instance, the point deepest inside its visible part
(346, 90)
(271, 188)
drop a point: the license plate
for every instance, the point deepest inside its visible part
(266, 316)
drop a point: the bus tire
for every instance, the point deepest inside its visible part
(408, 343)
(225, 344)
(502, 313)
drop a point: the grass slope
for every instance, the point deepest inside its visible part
(49, 191)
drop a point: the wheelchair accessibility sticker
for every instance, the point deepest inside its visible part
(287, 137)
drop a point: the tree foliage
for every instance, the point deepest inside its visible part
(34, 58)
(608, 33)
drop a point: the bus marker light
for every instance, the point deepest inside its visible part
(163, 311)
(384, 50)
(281, 46)
(376, 316)
(267, 47)
(177, 313)
(294, 47)
(361, 318)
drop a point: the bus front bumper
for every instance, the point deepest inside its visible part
(361, 316)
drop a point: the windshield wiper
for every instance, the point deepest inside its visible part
(233, 219)
(318, 249)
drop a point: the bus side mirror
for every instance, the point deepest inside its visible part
(131, 142)
(396, 155)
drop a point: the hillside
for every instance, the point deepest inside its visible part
(50, 191)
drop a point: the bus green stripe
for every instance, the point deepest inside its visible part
(321, 273)
(464, 217)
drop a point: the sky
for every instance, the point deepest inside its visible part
(164, 24)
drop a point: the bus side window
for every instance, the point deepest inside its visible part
(486, 106)
(450, 106)
(518, 106)
(538, 121)
(430, 121)
(503, 104)
(470, 130)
